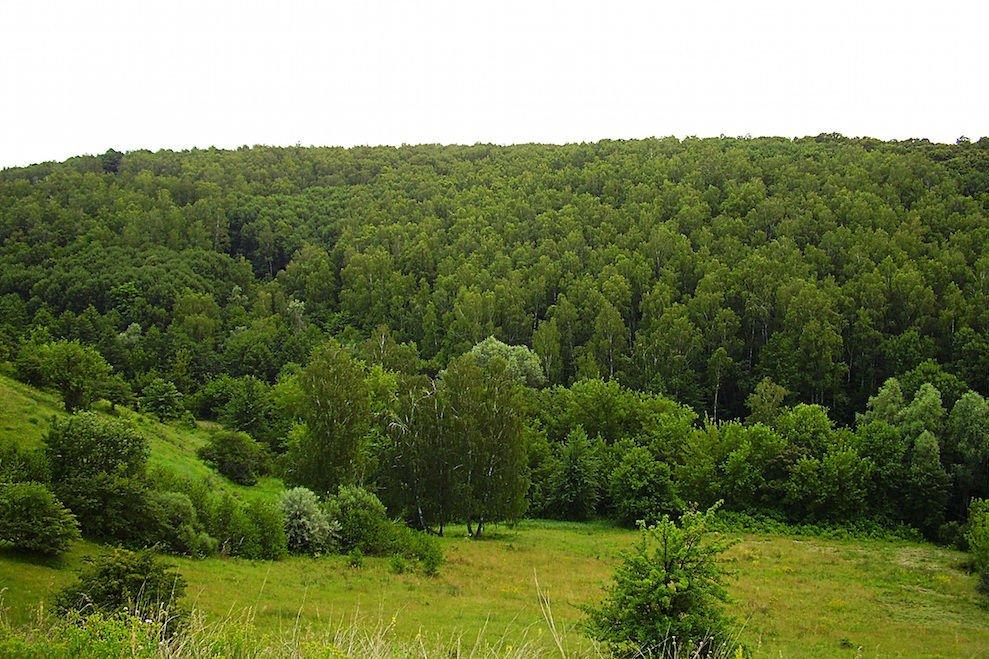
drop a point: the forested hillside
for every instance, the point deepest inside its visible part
(351, 351)
(690, 268)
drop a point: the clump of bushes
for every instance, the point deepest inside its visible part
(353, 522)
(642, 488)
(18, 465)
(97, 469)
(235, 455)
(365, 528)
(32, 519)
(137, 582)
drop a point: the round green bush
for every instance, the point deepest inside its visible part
(235, 455)
(32, 519)
(308, 529)
(137, 582)
(363, 521)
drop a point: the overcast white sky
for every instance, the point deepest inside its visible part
(79, 77)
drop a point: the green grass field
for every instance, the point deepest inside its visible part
(796, 597)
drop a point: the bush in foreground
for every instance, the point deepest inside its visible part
(32, 519)
(124, 580)
(667, 594)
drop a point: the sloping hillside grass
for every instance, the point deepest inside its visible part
(26, 413)
(797, 597)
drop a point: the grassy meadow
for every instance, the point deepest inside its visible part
(796, 596)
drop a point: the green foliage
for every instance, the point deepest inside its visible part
(522, 363)
(87, 444)
(78, 372)
(270, 523)
(576, 480)
(161, 398)
(418, 546)
(362, 521)
(355, 558)
(123, 580)
(927, 485)
(235, 455)
(977, 536)
(667, 595)
(33, 520)
(233, 527)
(172, 523)
(485, 409)
(765, 402)
(97, 470)
(337, 416)
(642, 489)
(22, 465)
(308, 529)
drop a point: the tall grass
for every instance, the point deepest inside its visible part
(142, 635)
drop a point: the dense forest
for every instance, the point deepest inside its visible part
(628, 328)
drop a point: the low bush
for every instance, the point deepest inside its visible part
(363, 521)
(308, 528)
(174, 525)
(269, 522)
(417, 546)
(235, 455)
(109, 506)
(135, 582)
(642, 489)
(32, 519)
(233, 528)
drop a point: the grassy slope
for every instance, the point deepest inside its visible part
(25, 414)
(797, 596)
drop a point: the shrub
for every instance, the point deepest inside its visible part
(667, 594)
(76, 371)
(135, 581)
(32, 519)
(86, 444)
(109, 507)
(233, 528)
(175, 526)
(308, 529)
(978, 540)
(398, 564)
(363, 521)
(236, 456)
(642, 488)
(355, 558)
(417, 546)
(20, 466)
(270, 524)
(97, 469)
(212, 396)
(162, 399)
